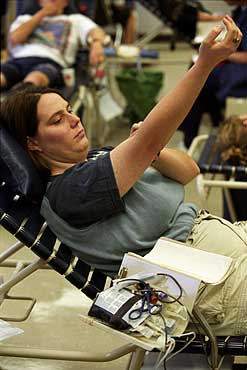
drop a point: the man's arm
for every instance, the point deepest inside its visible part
(96, 40)
(22, 33)
(207, 17)
(238, 57)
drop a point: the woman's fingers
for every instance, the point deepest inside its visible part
(233, 35)
(212, 51)
(213, 34)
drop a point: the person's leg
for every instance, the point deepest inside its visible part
(45, 73)
(10, 74)
(37, 78)
(130, 28)
(224, 305)
(217, 235)
(32, 70)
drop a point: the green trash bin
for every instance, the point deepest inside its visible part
(140, 89)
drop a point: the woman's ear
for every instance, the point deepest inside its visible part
(33, 145)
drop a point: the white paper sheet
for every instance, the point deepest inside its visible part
(209, 267)
(7, 331)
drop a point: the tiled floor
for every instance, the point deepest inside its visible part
(54, 323)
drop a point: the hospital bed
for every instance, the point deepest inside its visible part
(21, 191)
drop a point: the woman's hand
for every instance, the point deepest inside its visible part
(212, 52)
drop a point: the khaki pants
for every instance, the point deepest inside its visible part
(224, 305)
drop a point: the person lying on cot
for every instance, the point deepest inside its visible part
(232, 144)
(106, 202)
(232, 139)
(42, 44)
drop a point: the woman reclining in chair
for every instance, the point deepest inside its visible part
(106, 202)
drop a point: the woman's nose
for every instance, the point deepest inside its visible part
(74, 120)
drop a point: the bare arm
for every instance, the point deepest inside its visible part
(207, 17)
(238, 57)
(172, 163)
(134, 155)
(96, 53)
(22, 33)
(176, 165)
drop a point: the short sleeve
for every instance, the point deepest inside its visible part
(19, 21)
(85, 25)
(86, 193)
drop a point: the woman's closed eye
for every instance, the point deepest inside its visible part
(57, 120)
(59, 116)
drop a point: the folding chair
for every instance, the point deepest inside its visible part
(21, 191)
(20, 194)
(214, 172)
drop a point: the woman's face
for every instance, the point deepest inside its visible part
(60, 139)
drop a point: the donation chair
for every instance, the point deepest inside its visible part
(214, 172)
(21, 191)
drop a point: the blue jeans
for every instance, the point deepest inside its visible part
(15, 70)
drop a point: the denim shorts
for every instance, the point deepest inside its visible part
(15, 70)
(223, 305)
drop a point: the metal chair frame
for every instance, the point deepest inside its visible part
(53, 254)
(215, 175)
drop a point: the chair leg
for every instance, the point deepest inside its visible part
(213, 340)
(136, 359)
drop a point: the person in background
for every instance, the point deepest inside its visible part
(105, 202)
(229, 78)
(117, 12)
(232, 144)
(123, 13)
(232, 140)
(181, 15)
(41, 45)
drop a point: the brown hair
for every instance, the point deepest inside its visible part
(232, 140)
(19, 116)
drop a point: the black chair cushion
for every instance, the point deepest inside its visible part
(17, 169)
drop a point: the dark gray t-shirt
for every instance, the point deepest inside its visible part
(104, 226)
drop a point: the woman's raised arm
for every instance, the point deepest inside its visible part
(134, 155)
